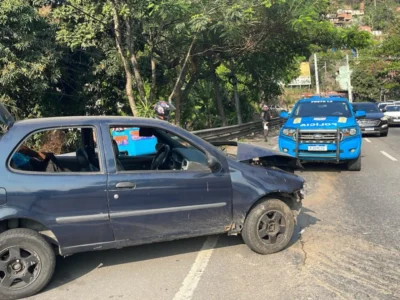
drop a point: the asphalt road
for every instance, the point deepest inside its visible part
(346, 246)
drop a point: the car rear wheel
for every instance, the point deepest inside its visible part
(27, 263)
(355, 164)
(268, 227)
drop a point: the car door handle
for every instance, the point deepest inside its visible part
(125, 185)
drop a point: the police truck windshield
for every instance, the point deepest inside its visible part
(322, 109)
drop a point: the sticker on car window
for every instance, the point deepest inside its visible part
(342, 120)
(297, 121)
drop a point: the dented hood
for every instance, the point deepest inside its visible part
(246, 152)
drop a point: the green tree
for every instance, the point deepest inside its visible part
(28, 56)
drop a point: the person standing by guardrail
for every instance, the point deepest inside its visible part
(265, 117)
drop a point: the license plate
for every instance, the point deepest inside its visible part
(369, 129)
(318, 148)
(396, 120)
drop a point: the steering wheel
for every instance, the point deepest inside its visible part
(161, 157)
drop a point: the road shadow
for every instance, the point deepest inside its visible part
(76, 266)
(304, 220)
(323, 167)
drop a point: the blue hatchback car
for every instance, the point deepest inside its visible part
(65, 187)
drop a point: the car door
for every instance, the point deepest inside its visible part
(73, 204)
(155, 205)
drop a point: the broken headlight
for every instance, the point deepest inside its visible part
(289, 132)
(346, 132)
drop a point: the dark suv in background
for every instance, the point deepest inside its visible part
(375, 122)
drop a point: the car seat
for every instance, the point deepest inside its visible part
(118, 163)
(83, 160)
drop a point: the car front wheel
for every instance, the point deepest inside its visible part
(268, 227)
(27, 263)
(355, 164)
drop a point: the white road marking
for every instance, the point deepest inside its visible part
(192, 279)
(388, 156)
(367, 140)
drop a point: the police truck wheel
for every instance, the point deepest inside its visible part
(355, 164)
(268, 227)
(27, 263)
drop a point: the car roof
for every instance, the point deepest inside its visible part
(367, 102)
(88, 120)
(319, 98)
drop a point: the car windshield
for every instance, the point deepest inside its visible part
(367, 107)
(393, 108)
(322, 108)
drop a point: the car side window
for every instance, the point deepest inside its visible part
(152, 149)
(57, 151)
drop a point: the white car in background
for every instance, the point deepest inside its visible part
(393, 114)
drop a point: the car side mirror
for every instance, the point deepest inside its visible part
(214, 164)
(284, 115)
(360, 114)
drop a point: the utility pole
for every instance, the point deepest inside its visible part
(349, 87)
(316, 73)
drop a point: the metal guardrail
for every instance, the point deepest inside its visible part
(236, 131)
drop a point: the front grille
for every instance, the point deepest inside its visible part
(368, 122)
(317, 137)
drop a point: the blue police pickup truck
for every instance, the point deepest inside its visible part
(323, 129)
(68, 185)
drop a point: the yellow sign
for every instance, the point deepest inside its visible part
(342, 120)
(305, 69)
(297, 121)
(305, 75)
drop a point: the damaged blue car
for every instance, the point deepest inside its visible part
(74, 184)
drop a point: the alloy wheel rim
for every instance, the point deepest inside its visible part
(19, 267)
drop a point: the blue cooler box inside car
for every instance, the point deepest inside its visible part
(131, 144)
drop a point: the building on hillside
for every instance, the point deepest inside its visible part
(353, 12)
(377, 33)
(365, 28)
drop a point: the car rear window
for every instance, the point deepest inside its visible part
(367, 107)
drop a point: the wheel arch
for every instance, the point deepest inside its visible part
(12, 222)
(291, 199)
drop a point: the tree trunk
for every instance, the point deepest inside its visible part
(129, 93)
(134, 62)
(236, 95)
(128, 72)
(218, 98)
(153, 78)
(178, 108)
(237, 104)
(138, 78)
(182, 73)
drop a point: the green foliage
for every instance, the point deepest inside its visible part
(377, 72)
(28, 55)
(64, 59)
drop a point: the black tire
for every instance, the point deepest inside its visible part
(355, 164)
(384, 133)
(254, 225)
(37, 261)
